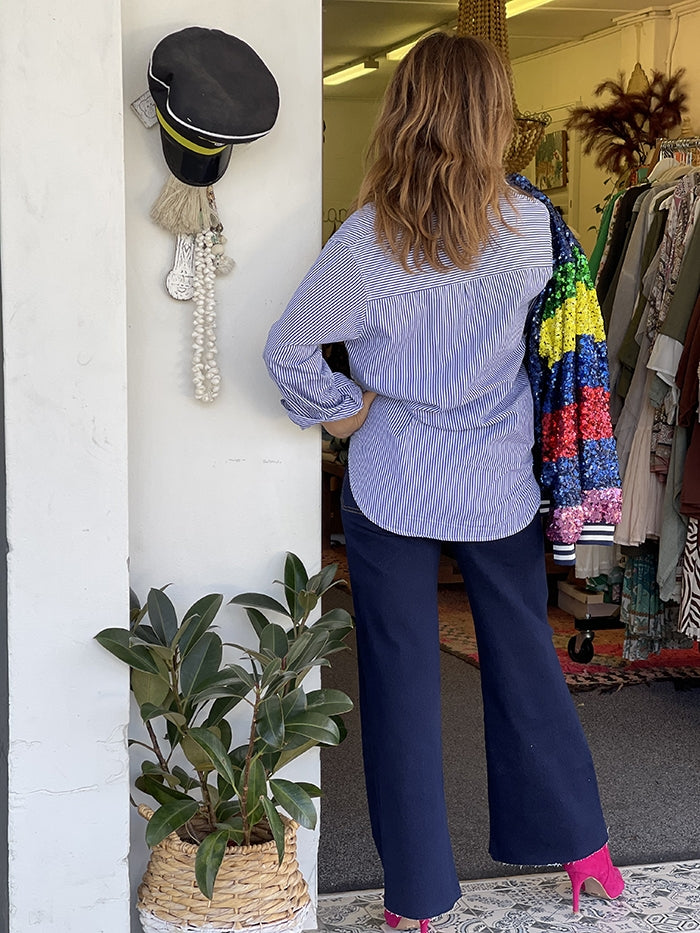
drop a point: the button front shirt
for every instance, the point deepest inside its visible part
(446, 450)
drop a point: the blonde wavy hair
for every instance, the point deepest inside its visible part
(435, 157)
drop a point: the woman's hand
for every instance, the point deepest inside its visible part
(344, 427)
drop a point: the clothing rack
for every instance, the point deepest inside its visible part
(685, 150)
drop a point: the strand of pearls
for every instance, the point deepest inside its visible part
(205, 369)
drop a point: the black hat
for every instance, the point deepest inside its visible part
(212, 92)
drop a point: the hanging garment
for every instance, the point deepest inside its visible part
(602, 238)
(636, 400)
(616, 240)
(629, 350)
(689, 612)
(623, 301)
(674, 524)
(568, 369)
(680, 217)
(651, 625)
(643, 493)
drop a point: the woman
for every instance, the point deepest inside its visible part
(429, 284)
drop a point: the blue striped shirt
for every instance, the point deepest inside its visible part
(446, 450)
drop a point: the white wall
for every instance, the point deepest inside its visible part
(659, 39)
(218, 493)
(348, 126)
(683, 53)
(63, 303)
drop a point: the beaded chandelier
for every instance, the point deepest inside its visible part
(487, 19)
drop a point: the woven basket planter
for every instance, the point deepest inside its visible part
(252, 889)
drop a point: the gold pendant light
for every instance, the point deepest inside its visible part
(487, 19)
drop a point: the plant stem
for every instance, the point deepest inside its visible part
(156, 748)
(206, 798)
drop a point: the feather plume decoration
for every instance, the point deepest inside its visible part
(623, 131)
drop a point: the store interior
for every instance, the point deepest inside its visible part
(636, 603)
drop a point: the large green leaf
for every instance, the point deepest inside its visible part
(294, 702)
(149, 711)
(314, 726)
(257, 620)
(272, 676)
(156, 651)
(295, 801)
(293, 750)
(259, 601)
(308, 601)
(295, 579)
(161, 792)
(210, 855)
(183, 778)
(276, 825)
(335, 620)
(257, 788)
(270, 723)
(220, 708)
(328, 702)
(230, 681)
(149, 688)
(202, 663)
(228, 810)
(168, 818)
(274, 639)
(226, 791)
(306, 649)
(323, 580)
(197, 620)
(196, 755)
(146, 634)
(234, 828)
(225, 732)
(116, 641)
(163, 617)
(229, 675)
(311, 789)
(216, 751)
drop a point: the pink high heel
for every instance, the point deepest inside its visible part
(596, 874)
(393, 920)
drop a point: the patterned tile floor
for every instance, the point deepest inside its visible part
(657, 899)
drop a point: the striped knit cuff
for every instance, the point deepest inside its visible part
(592, 533)
(564, 554)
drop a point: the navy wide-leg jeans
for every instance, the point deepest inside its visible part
(543, 796)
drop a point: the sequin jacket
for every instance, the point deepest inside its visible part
(567, 362)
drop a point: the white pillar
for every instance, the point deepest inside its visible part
(219, 492)
(63, 306)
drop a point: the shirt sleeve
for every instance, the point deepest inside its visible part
(328, 307)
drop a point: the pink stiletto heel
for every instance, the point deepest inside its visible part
(393, 921)
(596, 874)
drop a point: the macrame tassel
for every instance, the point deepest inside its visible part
(183, 209)
(190, 214)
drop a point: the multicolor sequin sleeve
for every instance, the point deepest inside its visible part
(576, 458)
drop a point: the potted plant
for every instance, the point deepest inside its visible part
(222, 814)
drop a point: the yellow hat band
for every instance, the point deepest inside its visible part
(187, 143)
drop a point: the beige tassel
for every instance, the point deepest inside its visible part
(182, 209)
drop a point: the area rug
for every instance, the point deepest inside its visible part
(608, 671)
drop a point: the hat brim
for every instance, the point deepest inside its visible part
(190, 167)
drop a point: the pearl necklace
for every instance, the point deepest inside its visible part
(205, 370)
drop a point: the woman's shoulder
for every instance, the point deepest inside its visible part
(356, 226)
(516, 201)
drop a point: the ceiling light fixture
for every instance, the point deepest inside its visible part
(516, 7)
(395, 55)
(350, 72)
(368, 66)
